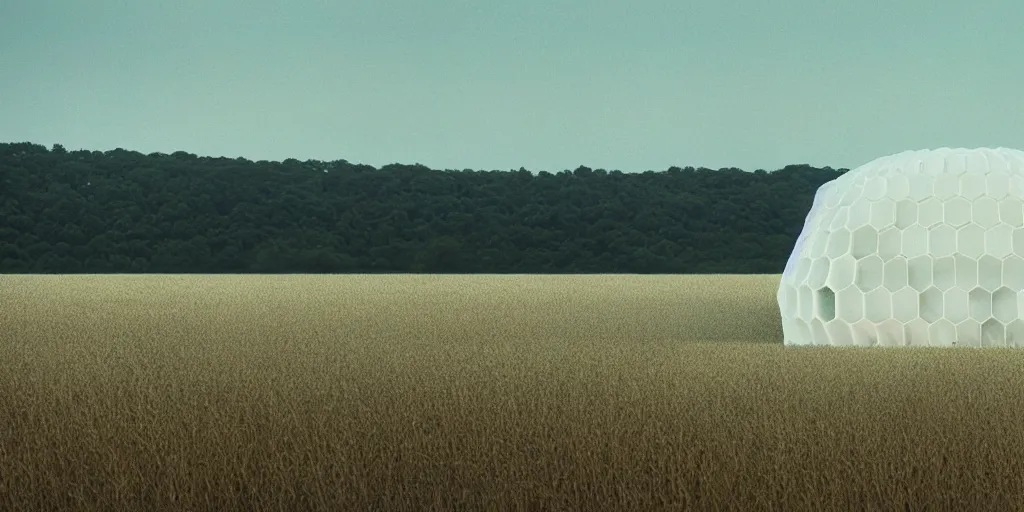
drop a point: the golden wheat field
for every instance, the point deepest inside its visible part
(405, 392)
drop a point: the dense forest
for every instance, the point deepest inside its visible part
(122, 211)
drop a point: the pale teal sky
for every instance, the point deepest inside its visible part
(546, 85)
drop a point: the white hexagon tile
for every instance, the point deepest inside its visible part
(920, 248)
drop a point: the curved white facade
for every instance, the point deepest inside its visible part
(920, 248)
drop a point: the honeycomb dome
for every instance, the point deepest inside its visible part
(920, 248)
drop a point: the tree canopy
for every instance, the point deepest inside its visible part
(122, 211)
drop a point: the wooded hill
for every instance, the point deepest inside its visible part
(125, 212)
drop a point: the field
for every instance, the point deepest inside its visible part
(480, 393)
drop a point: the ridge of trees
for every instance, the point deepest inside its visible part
(122, 211)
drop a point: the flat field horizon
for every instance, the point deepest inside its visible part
(480, 392)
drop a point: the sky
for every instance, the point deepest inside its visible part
(545, 85)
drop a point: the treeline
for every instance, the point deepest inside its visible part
(125, 212)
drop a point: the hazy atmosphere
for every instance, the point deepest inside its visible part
(500, 85)
(252, 256)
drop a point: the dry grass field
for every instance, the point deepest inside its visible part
(397, 393)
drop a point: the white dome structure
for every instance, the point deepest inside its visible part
(920, 248)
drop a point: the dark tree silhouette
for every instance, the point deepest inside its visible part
(121, 211)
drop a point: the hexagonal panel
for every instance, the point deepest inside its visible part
(883, 214)
(865, 333)
(800, 271)
(972, 186)
(789, 330)
(787, 300)
(985, 212)
(993, 333)
(819, 336)
(1015, 334)
(869, 273)
(898, 187)
(942, 240)
(819, 272)
(994, 159)
(1016, 185)
(890, 333)
(906, 214)
(1018, 241)
(920, 187)
(874, 188)
(839, 220)
(832, 195)
(980, 304)
(817, 221)
(999, 241)
(915, 241)
(919, 272)
(842, 273)
(947, 186)
(944, 272)
(816, 247)
(860, 215)
(915, 333)
(878, 305)
(838, 243)
(996, 185)
(990, 272)
(865, 242)
(968, 333)
(803, 330)
(894, 273)
(956, 212)
(966, 271)
(890, 242)
(976, 163)
(970, 240)
(929, 212)
(1013, 273)
(956, 305)
(825, 303)
(942, 333)
(1011, 211)
(905, 304)
(849, 304)
(839, 332)
(852, 193)
(1004, 305)
(930, 304)
(805, 304)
